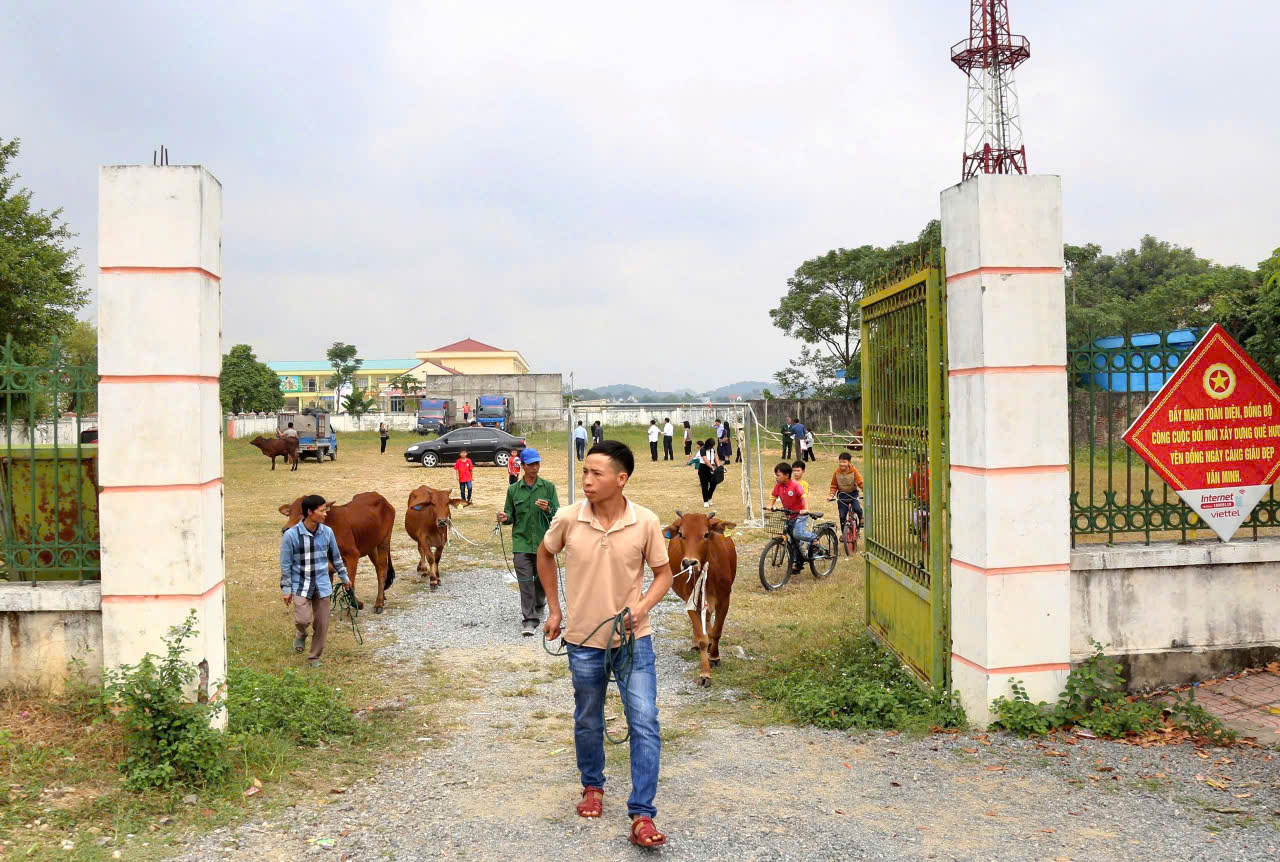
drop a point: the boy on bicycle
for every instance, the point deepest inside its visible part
(789, 492)
(846, 483)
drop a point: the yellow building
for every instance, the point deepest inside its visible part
(305, 382)
(469, 357)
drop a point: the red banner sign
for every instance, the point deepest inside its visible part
(1214, 427)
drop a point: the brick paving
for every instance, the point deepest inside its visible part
(1245, 702)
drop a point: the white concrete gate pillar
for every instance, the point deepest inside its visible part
(160, 446)
(1006, 346)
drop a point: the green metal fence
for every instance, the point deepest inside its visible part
(1115, 496)
(48, 467)
(904, 428)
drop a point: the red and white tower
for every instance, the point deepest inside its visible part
(992, 123)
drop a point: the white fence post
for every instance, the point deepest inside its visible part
(159, 356)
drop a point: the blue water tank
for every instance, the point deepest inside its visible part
(1140, 364)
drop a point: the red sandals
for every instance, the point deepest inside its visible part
(645, 834)
(592, 804)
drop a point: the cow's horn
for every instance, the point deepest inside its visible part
(679, 514)
(710, 515)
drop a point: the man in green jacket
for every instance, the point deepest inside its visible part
(531, 504)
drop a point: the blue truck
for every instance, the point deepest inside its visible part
(316, 437)
(493, 411)
(435, 415)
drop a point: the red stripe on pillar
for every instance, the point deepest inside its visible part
(1008, 369)
(161, 269)
(1022, 668)
(1011, 570)
(157, 378)
(1011, 471)
(175, 597)
(1005, 270)
(131, 489)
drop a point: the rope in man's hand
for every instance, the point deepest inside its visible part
(343, 602)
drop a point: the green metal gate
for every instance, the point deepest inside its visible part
(904, 427)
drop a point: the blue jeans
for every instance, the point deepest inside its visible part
(590, 682)
(464, 491)
(800, 532)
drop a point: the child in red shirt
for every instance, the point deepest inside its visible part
(791, 494)
(463, 467)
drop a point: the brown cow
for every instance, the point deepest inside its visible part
(363, 529)
(427, 523)
(707, 562)
(278, 447)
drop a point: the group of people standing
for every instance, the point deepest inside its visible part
(793, 431)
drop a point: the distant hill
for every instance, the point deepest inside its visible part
(742, 389)
(628, 391)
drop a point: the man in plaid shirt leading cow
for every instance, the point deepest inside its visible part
(306, 550)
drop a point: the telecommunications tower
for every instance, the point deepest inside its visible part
(992, 123)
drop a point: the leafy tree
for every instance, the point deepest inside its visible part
(358, 403)
(40, 289)
(247, 385)
(80, 348)
(1263, 318)
(822, 309)
(410, 386)
(345, 364)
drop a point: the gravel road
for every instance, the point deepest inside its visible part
(500, 781)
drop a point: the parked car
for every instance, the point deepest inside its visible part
(482, 444)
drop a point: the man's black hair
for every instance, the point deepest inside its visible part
(668, 419)
(290, 424)
(797, 464)
(784, 468)
(310, 503)
(579, 421)
(618, 453)
(845, 456)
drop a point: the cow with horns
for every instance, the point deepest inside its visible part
(707, 562)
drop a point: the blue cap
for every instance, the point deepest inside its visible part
(529, 456)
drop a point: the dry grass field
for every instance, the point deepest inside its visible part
(58, 776)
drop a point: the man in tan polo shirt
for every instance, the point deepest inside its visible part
(607, 539)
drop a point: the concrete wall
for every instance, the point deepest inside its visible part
(249, 425)
(1175, 613)
(537, 400)
(66, 428)
(44, 627)
(698, 417)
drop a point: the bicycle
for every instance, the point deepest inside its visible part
(776, 558)
(853, 523)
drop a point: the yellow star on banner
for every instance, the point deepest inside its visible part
(1219, 381)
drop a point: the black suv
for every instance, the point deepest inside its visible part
(482, 444)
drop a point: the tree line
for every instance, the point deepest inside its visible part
(1157, 286)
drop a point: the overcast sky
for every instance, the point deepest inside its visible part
(620, 190)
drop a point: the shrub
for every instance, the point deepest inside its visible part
(168, 738)
(295, 707)
(858, 684)
(1094, 697)
(1019, 715)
